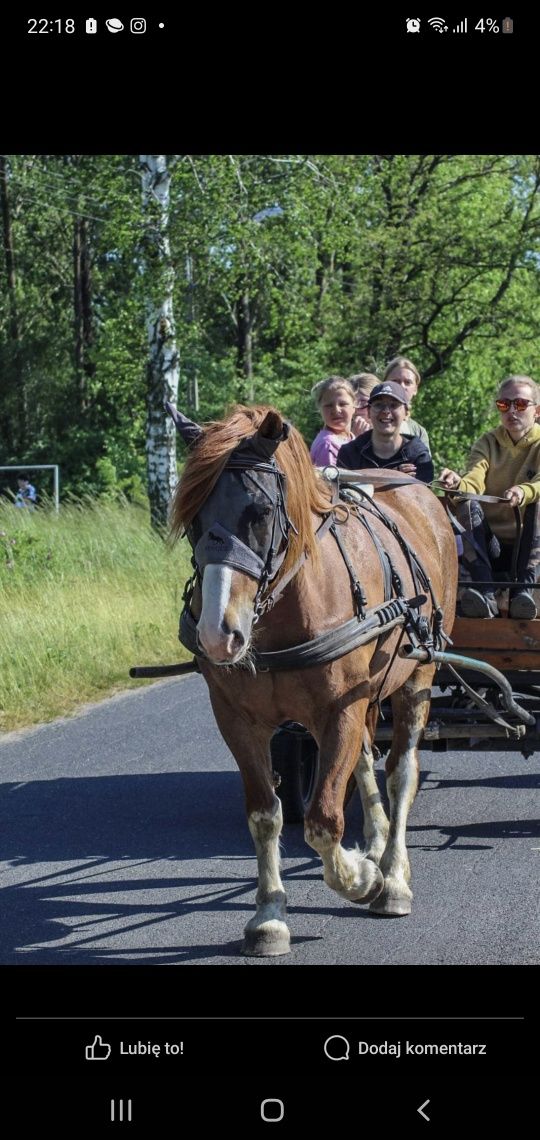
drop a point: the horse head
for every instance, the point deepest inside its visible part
(239, 538)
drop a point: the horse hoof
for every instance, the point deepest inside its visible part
(391, 907)
(266, 941)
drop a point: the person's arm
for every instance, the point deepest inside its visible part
(523, 494)
(417, 461)
(527, 491)
(424, 468)
(515, 496)
(450, 478)
(474, 480)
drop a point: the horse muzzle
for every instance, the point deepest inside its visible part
(227, 613)
(226, 647)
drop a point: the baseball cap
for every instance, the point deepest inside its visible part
(389, 388)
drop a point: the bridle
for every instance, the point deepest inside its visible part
(219, 545)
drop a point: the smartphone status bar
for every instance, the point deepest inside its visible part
(123, 27)
(461, 26)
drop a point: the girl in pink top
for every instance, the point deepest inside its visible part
(335, 399)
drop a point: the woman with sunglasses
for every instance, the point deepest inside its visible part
(506, 463)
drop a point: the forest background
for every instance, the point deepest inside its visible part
(285, 268)
(269, 272)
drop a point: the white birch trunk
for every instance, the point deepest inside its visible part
(162, 371)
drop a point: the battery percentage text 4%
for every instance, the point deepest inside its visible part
(486, 24)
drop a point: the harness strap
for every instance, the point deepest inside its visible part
(270, 600)
(419, 575)
(327, 646)
(390, 574)
(360, 599)
(366, 626)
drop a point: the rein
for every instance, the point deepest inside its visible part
(324, 648)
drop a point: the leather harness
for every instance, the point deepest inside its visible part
(367, 624)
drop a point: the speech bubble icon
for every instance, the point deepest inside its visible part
(337, 1048)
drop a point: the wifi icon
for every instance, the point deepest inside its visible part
(438, 24)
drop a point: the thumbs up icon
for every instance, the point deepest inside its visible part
(98, 1051)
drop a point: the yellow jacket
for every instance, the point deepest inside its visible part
(497, 463)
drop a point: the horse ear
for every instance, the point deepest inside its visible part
(274, 427)
(189, 430)
(273, 430)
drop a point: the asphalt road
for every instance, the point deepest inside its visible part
(124, 840)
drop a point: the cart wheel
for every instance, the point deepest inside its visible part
(295, 759)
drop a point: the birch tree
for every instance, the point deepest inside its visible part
(162, 369)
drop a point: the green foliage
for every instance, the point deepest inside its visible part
(287, 268)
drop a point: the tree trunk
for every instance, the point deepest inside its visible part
(190, 368)
(82, 306)
(162, 371)
(245, 343)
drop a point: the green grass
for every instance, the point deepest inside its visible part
(83, 596)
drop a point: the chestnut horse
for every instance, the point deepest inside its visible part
(251, 503)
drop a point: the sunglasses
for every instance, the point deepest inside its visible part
(520, 404)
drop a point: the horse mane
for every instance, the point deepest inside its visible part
(307, 494)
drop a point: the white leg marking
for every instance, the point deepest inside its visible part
(348, 873)
(375, 819)
(267, 932)
(402, 785)
(266, 829)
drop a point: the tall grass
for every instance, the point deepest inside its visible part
(84, 595)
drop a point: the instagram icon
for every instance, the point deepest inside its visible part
(137, 26)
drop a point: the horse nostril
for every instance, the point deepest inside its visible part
(237, 636)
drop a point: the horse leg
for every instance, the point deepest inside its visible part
(350, 873)
(410, 711)
(267, 933)
(376, 824)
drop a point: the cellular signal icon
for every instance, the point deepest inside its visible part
(461, 27)
(438, 24)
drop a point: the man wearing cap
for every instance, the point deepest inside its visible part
(384, 445)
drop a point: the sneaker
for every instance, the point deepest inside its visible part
(477, 605)
(522, 605)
